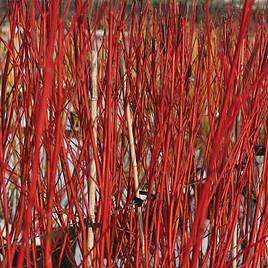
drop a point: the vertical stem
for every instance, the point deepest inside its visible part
(134, 164)
(135, 172)
(234, 250)
(92, 186)
(237, 134)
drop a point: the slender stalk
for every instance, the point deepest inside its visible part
(237, 134)
(93, 174)
(134, 162)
